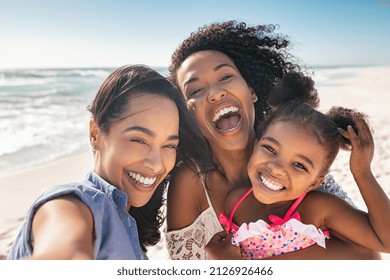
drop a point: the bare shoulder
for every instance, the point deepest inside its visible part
(63, 214)
(66, 206)
(322, 199)
(186, 197)
(232, 197)
(320, 205)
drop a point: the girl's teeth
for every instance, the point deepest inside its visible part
(271, 185)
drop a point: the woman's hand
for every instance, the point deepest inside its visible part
(221, 248)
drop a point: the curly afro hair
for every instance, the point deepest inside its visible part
(260, 55)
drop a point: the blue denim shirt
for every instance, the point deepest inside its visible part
(115, 230)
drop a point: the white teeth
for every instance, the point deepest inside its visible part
(141, 179)
(271, 185)
(224, 111)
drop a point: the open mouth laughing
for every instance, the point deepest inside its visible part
(272, 185)
(227, 119)
(141, 180)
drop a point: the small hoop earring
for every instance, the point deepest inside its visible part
(93, 139)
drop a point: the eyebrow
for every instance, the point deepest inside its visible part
(147, 132)
(304, 158)
(216, 68)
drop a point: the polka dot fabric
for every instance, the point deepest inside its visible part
(261, 240)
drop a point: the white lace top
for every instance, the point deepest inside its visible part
(188, 243)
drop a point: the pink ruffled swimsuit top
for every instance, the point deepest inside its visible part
(260, 240)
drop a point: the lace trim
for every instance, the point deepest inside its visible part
(188, 243)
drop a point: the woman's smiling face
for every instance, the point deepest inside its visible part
(138, 152)
(219, 98)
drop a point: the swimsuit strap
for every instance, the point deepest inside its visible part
(203, 183)
(295, 205)
(238, 202)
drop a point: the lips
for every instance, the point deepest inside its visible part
(142, 180)
(227, 118)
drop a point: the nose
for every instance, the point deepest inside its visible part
(154, 161)
(216, 93)
(276, 168)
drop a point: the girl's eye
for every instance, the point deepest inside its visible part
(300, 166)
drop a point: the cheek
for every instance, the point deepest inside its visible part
(169, 160)
(253, 163)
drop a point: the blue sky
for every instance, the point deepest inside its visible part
(86, 33)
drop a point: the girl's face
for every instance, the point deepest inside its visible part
(139, 151)
(219, 98)
(285, 163)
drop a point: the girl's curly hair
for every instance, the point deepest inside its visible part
(260, 54)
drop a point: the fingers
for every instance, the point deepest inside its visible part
(365, 130)
(349, 134)
(362, 136)
(219, 236)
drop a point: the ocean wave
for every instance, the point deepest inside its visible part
(54, 73)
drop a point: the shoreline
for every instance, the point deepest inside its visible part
(16, 198)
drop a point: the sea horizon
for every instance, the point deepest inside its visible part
(44, 116)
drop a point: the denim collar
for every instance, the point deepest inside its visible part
(119, 197)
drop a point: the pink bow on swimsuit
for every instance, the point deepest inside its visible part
(276, 220)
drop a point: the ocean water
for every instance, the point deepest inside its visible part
(43, 113)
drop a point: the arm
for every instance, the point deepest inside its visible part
(63, 229)
(220, 246)
(186, 200)
(376, 225)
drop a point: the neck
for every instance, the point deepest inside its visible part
(232, 164)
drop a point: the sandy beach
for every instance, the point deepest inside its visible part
(368, 90)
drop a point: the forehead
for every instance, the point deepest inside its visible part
(296, 139)
(151, 110)
(287, 131)
(199, 61)
(211, 56)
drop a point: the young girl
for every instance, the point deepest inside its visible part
(296, 145)
(138, 120)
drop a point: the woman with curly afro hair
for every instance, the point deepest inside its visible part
(225, 72)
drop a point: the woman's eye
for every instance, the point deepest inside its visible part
(226, 77)
(137, 140)
(300, 166)
(195, 92)
(173, 147)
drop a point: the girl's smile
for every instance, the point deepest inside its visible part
(285, 163)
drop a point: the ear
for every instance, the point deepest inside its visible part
(316, 183)
(94, 132)
(253, 95)
(191, 105)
